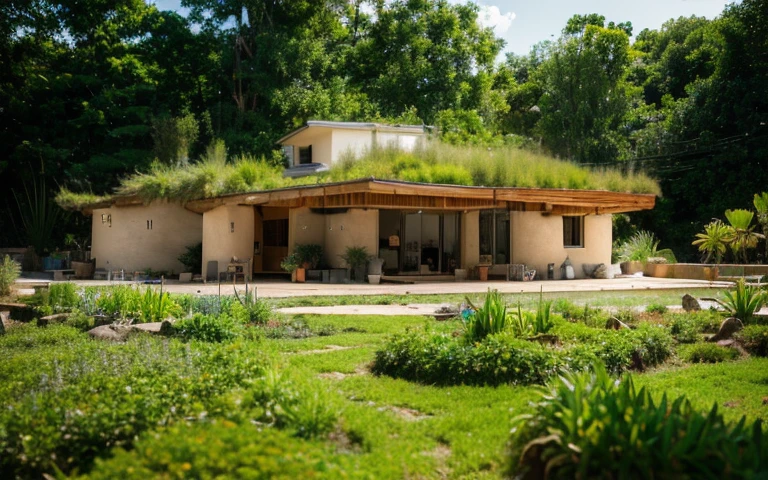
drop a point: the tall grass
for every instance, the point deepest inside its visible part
(434, 162)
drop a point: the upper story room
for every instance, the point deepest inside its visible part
(319, 144)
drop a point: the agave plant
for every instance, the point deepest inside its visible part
(712, 241)
(741, 235)
(489, 319)
(744, 301)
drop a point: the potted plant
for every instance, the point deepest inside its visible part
(309, 255)
(192, 260)
(81, 264)
(291, 264)
(356, 259)
(375, 267)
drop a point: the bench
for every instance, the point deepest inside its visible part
(62, 275)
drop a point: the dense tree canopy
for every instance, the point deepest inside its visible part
(91, 91)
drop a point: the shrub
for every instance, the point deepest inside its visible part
(223, 449)
(119, 301)
(310, 254)
(755, 338)
(9, 272)
(588, 425)
(69, 399)
(192, 259)
(436, 357)
(63, 296)
(656, 308)
(254, 311)
(156, 306)
(707, 353)
(209, 328)
(685, 328)
(487, 320)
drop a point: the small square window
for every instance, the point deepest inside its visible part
(573, 232)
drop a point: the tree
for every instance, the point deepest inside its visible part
(741, 235)
(585, 97)
(761, 206)
(713, 240)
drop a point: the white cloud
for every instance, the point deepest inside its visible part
(491, 16)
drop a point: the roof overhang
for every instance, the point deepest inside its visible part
(390, 194)
(378, 127)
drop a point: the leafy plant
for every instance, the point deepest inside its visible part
(761, 206)
(192, 259)
(741, 235)
(356, 256)
(713, 241)
(9, 272)
(685, 329)
(309, 254)
(39, 215)
(62, 297)
(543, 323)
(656, 308)
(638, 247)
(744, 301)
(707, 353)
(208, 328)
(587, 425)
(156, 306)
(487, 320)
(290, 263)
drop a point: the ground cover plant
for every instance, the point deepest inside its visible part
(311, 402)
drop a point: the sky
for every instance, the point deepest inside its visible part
(523, 23)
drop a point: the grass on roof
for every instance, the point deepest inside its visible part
(216, 175)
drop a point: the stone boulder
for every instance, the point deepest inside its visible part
(19, 311)
(4, 320)
(729, 326)
(113, 333)
(55, 318)
(690, 304)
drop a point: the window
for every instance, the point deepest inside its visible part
(494, 236)
(573, 232)
(305, 155)
(276, 233)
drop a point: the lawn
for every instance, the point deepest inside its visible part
(291, 402)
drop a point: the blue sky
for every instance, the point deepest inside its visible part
(522, 23)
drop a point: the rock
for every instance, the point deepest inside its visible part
(602, 271)
(114, 333)
(166, 328)
(545, 339)
(19, 311)
(614, 323)
(55, 318)
(690, 304)
(729, 326)
(4, 318)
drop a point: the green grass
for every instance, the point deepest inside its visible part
(504, 166)
(386, 427)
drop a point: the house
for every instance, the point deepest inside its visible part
(418, 229)
(317, 145)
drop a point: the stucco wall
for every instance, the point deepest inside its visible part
(537, 240)
(319, 138)
(219, 242)
(305, 227)
(470, 243)
(352, 141)
(128, 243)
(404, 141)
(355, 228)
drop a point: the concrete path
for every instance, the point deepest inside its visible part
(278, 289)
(426, 309)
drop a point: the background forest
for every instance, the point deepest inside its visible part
(93, 90)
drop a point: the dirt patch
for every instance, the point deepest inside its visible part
(440, 453)
(345, 442)
(327, 349)
(407, 414)
(341, 376)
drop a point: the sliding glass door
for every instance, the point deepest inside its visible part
(430, 243)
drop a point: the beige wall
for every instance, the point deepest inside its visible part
(320, 139)
(128, 243)
(336, 232)
(350, 141)
(404, 141)
(356, 228)
(219, 243)
(537, 240)
(470, 239)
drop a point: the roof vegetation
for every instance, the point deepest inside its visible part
(216, 175)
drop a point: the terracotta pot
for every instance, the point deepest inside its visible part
(301, 275)
(482, 272)
(83, 270)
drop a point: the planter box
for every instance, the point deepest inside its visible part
(630, 268)
(482, 272)
(185, 277)
(658, 270)
(83, 270)
(374, 279)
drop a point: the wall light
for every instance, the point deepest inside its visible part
(231, 227)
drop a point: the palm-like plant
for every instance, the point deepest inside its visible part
(761, 205)
(712, 241)
(741, 235)
(744, 301)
